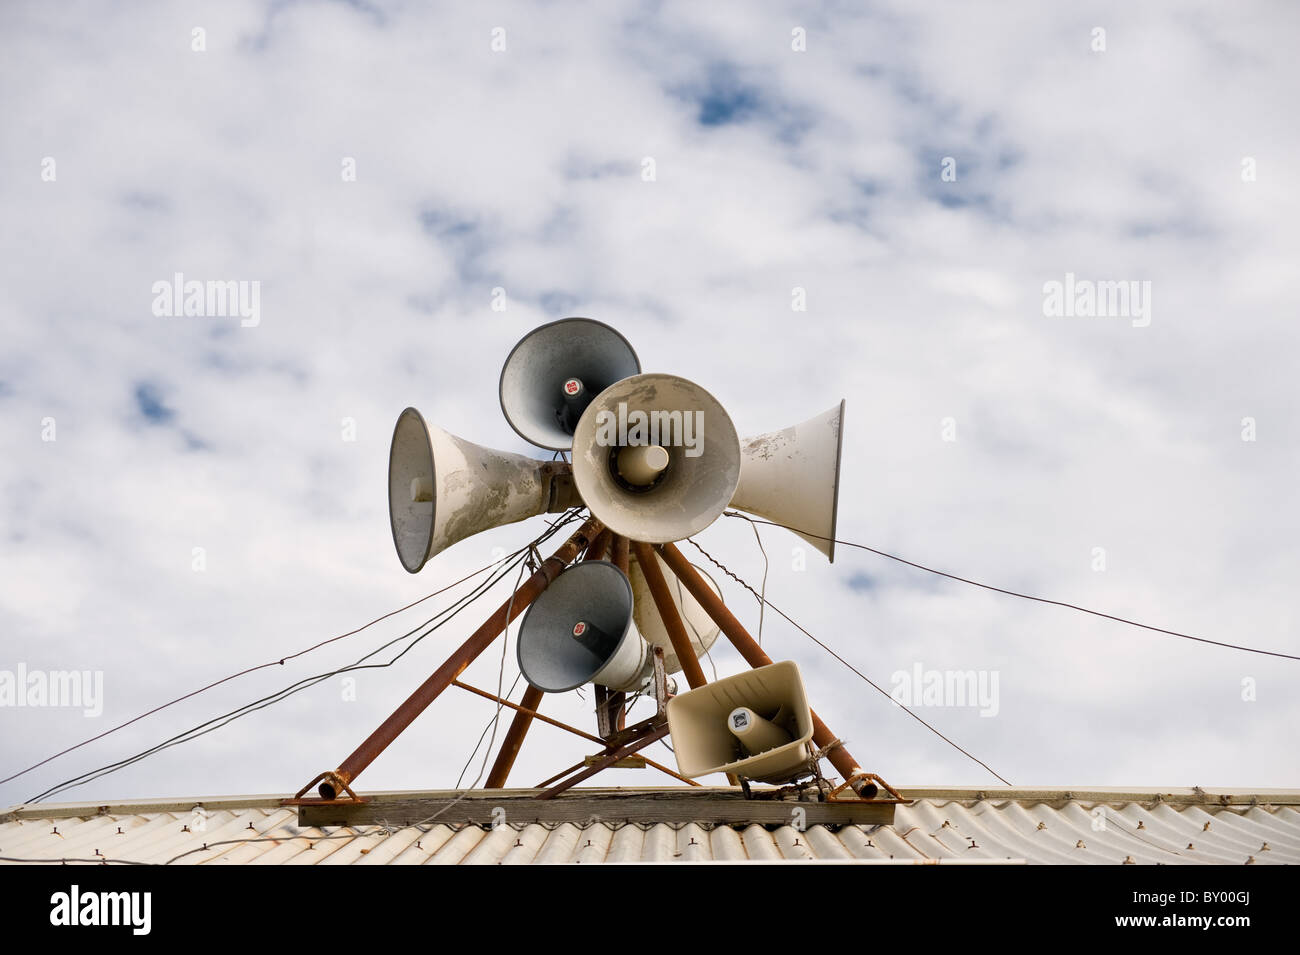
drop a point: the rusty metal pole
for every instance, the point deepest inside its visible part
(663, 598)
(514, 739)
(479, 641)
(532, 700)
(605, 762)
(619, 553)
(599, 547)
(618, 556)
(840, 757)
(567, 728)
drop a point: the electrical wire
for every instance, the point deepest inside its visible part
(517, 558)
(846, 663)
(245, 672)
(496, 717)
(218, 722)
(762, 602)
(1012, 593)
(483, 735)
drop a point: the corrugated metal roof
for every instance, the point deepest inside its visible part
(938, 825)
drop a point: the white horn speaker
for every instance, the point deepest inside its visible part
(699, 625)
(792, 477)
(554, 372)
(656, 458)
(442, 489)
(580, 631)
(755, 724)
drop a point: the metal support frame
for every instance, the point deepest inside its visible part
(624, 742)
(598, 548)
(598, 543)
(532, 699)
(454, 665)
(619, 550)
(755, 656)
(672, 620)
(606, 761)
(610, 711)
(514, 738)
(567, 728)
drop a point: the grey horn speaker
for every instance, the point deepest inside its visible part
(554, 372)
(580, 631)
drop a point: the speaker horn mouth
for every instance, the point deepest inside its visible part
(411, 496)
(443, 489)
(664, 416)
(536, 390)
(580, 631)
(779, 722)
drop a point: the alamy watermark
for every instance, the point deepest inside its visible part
(240, 299)
(132, 910)
(653, 428)
(921, 687)
(1086, 298)
(54, 688)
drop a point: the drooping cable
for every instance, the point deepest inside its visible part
(515, 559)
(846, 663)
(1012, 593)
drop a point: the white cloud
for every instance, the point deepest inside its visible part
(522, 170)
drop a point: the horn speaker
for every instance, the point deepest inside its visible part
(554, 372)
(580, 631)
(755, 724)
(792, 477)
(442, 489)
(656, 458)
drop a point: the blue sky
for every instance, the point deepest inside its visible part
(775, 169)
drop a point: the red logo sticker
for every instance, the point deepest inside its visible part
(579, 629)
(571, 386)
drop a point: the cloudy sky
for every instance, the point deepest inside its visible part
(676, 170)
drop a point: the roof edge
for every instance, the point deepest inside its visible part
(1195, 795)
